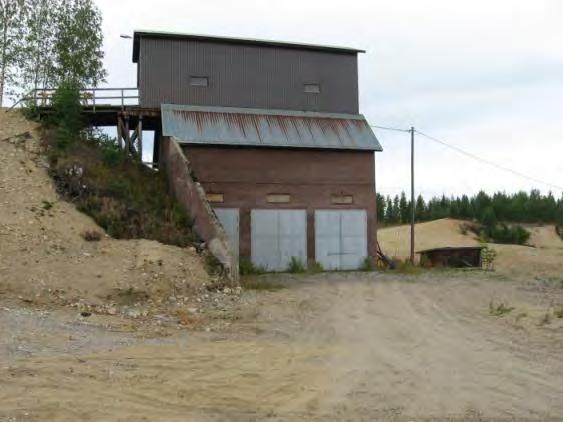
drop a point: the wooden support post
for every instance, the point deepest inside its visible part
(140, 138)
(127, 136)
(119, 132)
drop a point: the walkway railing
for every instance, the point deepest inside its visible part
(93, 99)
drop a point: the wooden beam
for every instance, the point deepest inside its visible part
(140, 136)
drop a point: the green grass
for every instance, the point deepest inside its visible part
(126, 198)
(259, 283)
(296, 266)
(246, 267)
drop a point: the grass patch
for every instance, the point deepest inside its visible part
(126, 198)
(366, 265)
(316, 268)
(559, 312)
(256, 283)
(246, 267)
(296, 266)
(47, 205)
(500, 309)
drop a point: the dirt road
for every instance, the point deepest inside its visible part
(329, 347)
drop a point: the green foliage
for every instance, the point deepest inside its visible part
(516, 235)
(67, 116)
(520, 207)
(559, 312)
(247, 267)
(316, 268)
(12, 13)
(78, 43)
(296, 266)
(126, 198)
(47, 205)
(258, 283)
(50, 42)
(488, 257)
(366, 265)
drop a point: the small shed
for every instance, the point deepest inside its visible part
(452, 256)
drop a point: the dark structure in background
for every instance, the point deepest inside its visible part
(457, 257)
(272, 133)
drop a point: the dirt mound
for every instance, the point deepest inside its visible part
(543, 258)
(43, 254)
(395, 241)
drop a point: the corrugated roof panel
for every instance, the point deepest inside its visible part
(270, 128)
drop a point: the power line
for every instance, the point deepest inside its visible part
(390, 128)
(489, 162)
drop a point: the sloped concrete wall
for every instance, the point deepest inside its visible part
(191, 196)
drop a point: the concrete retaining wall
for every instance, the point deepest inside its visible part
(191, 196)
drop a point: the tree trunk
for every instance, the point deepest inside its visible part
(3, 59)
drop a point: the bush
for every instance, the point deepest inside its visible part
(126, 198)
(67, 115)
(516, 235)
(366, 265)
(296, 266)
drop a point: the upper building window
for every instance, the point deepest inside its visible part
(199, 81)
(312, 88)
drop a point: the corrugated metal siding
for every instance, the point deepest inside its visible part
(252, 127)
(277, 236)
(246, 76)
(340, 239)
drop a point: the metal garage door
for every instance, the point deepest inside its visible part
(340, 238)
(229, 218)
(277, 236)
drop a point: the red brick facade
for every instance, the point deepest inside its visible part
(314, 179)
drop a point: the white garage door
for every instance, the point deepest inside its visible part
(277, 236)
(229, 218)
(340, 238)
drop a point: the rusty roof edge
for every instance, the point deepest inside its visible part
(262, 111)
(168, 110)
(138, 33)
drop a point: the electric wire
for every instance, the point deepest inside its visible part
(489, 162)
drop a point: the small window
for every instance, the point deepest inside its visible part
(214, 197)
(312, 88)
(279, 198)
(342, 199)
(199, 81)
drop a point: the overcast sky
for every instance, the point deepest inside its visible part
(484, 75)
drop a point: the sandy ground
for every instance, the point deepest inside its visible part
(329, 347)
(43, 257)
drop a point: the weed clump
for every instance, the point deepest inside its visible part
(91, 235)
(255, 283)
(247, 267)
(296, 266)
(499, 310)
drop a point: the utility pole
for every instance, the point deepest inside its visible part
(412, 195)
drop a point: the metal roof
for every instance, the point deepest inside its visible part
(452, 248)
(233, 40)
(269, 128)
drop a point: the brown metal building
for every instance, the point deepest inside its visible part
(273, 135)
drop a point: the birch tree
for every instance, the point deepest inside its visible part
(78, 44)
(11, 31)
(38, 68)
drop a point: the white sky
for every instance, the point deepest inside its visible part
(484, 75)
